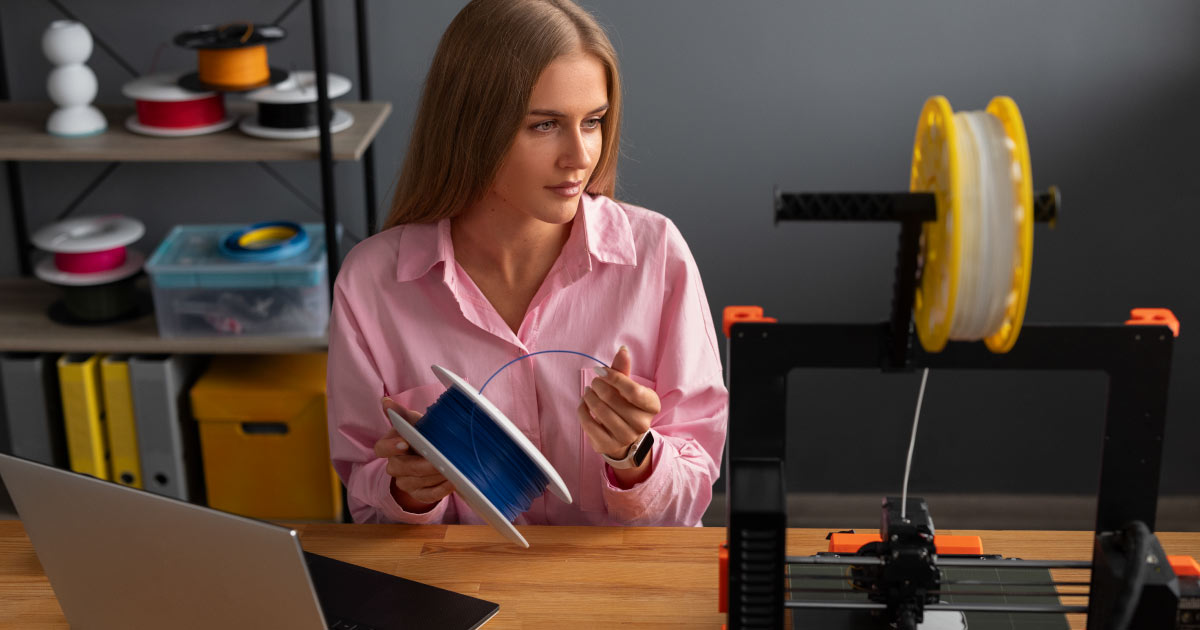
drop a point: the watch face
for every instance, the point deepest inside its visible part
(643, 449)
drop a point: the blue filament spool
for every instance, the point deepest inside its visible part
(493, 467)
(502, 471)
(268, 241)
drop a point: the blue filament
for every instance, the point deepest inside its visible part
(500, 469)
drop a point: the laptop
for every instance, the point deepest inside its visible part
(118, 557)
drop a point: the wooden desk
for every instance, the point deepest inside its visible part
(642, 577)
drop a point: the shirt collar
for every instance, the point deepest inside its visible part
(607, 238)
(421, 247)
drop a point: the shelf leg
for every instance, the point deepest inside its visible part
(328, 192)
(364, 94)
(13, 173)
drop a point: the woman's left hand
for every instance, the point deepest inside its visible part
(615, 410)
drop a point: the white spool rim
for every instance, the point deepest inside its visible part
(88, 234)
(341, 121)
(133, 124)
(300, 87)
(47, 271)
(162, 88)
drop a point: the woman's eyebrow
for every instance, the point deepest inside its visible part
(553, 112)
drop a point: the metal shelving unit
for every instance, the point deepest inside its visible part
(23, 302)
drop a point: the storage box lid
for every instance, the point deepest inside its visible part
(190, 257)
(259, 387)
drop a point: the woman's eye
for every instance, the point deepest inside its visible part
(592, 123)
(544, 126)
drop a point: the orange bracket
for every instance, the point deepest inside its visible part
(1150, 317)
(1184, 566)
(946, 545)
(735, 314)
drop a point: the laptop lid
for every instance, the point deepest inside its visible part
(122, 558)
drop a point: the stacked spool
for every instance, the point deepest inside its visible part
(288, 111)
(495, 469)
(231, 58)
(93, 266)
(977, 257)
(163, 108)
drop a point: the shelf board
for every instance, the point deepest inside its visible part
(23, 137)
(24, 327)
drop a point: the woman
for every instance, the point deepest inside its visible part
(503, 240)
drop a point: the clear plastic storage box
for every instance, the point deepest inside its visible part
(199, 291)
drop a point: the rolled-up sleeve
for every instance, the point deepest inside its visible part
(689, 432)
(356, 419)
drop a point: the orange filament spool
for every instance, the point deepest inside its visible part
(233, 67)
(231, 57)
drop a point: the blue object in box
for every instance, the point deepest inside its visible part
(190, 256)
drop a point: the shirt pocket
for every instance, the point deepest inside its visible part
(592, 475)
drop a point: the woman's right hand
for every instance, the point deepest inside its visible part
(416, 485)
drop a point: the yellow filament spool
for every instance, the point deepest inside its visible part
(936, 168)
(1003, 108)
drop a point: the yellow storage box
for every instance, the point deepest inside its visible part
(263, 437)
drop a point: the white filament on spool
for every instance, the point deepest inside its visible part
(989, 223)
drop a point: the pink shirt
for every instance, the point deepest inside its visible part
(625, 276)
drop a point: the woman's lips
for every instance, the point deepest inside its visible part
(566, 189)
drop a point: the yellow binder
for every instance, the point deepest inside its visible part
(118, 414)
(83, 413)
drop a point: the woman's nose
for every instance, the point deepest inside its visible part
(576, 152)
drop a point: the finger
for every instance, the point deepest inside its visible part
(637, 419)
(434, 494)
(414, 484)
(614, 399)
(404, 412)
(623, 362)
(410, 466)
(639, 396)
(598, 437)
(390, 444)
(616, 426)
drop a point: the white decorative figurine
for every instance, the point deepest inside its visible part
(72, 85)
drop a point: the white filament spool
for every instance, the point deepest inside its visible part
(988, 223)
(976, 257)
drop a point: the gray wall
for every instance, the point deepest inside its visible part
(726, 100)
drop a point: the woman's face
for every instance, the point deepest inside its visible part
(558, 144)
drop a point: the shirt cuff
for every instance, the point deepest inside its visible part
(391, 510)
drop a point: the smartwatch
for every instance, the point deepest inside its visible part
(636, 455)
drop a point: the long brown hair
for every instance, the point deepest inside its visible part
(477, 93)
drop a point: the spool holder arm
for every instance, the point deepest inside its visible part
(910, 210)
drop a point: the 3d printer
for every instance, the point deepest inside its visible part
(960, 162)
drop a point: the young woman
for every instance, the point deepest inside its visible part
(504, 240)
